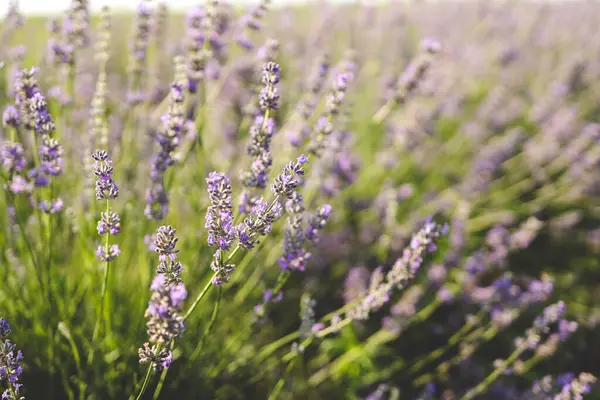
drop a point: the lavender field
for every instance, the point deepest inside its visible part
(396, 201)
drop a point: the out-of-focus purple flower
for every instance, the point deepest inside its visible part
(566, 328)
(108, 255)
(4, 328)
(251, 22)
(32, 104)
(51, 157)
(51, 207)
(168, 139)
(109, 223)
(401, 272)
(317, 223)
(139, 47)
(356, 284)
(526, 233)
(12, 157)
(294, 255)
(11, 117)
(18, 184)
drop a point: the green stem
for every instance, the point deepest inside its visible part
(145, 384)
(454, 339)
(209, 328)
(494, 375)
(199, 298)
(103, 292)
(163, 375)
(281, 380)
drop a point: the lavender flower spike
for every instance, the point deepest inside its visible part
(219, 216)
(10, 366)
(106, 188)
(287, 181)
(166, 303)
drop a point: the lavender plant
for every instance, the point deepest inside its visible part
(440, 243)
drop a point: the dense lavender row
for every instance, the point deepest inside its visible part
(395, 201)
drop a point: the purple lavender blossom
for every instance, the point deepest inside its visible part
(401, 272)
(109, 223)
(51, 157)
(166, 303)
(139, 48)
(286, 182)
(32, 104)
(251, 22)
(106, 188)
(269, 95)
(317, 223)
(164, 322)
(168, 139)
(219, 216)
(10, 365)
(51, 207)
(294, 255)
(11, 117)
(258, 223)
(108, 255)
(12, 157)
(356, 284)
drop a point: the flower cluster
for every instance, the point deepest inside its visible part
(32, 104)
(10, 366)
(269, 95)
(157, 198)
(106, 189)
(295, 256)
(261, 133)
(219, 216)
(402, 271)
(51, 157)
(139, 47)
(165, 323)
(564, 387)
(307, 315)
(308, 104)
(196, 55)
(416, 71)
(251, 22)
(333, 102)
(12, 157)
(258, 223)
(288, 181)
(11, 117)
(168, 294)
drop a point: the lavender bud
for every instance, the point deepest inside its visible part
(287, 181)
(11, 117)
(109, 223)
(12, 157)
(219, 216)
(165, 243)
(106, 188)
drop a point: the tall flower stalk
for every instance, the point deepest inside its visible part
(108, 225)
(165, 323)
